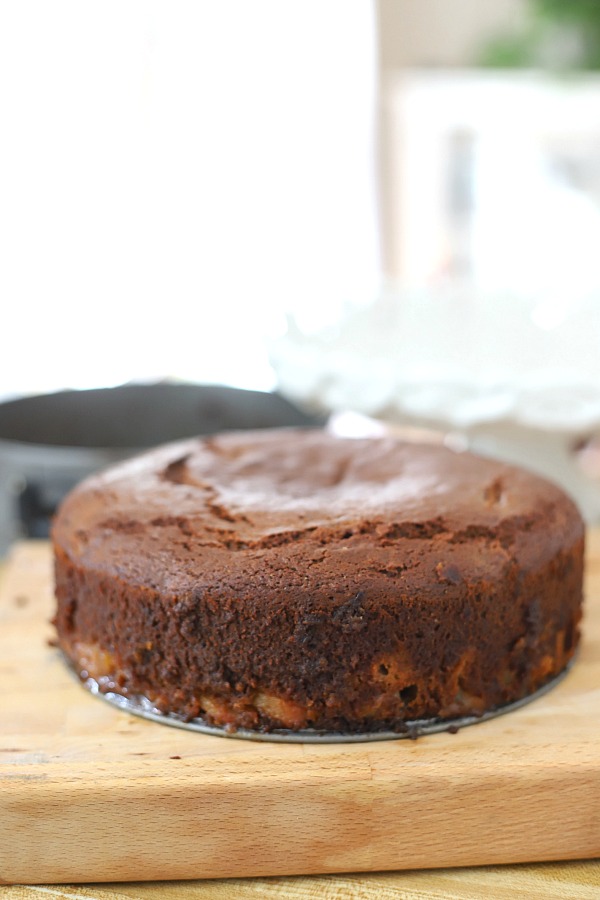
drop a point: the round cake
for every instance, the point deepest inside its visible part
(293, 580)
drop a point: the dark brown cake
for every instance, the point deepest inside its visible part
(291, 579)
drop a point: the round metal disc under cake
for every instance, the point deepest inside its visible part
(141, 706)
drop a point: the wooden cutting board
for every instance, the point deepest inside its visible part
(90, 793)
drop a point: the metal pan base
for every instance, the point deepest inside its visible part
(141, 706)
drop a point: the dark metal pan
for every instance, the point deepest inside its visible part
(50, 442)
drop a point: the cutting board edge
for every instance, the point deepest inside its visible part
(325, 827)
(523, 815)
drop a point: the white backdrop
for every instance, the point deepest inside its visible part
(174, 177)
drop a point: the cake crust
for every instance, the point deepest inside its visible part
(291, 579)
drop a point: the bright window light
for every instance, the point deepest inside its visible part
(175, 177)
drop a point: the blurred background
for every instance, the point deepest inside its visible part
(386, 211)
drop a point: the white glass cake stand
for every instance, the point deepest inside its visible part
(510, 377)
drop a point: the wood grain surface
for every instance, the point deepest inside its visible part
(549, 881)
(91, 794)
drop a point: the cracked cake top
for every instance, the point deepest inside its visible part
(264, 499)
